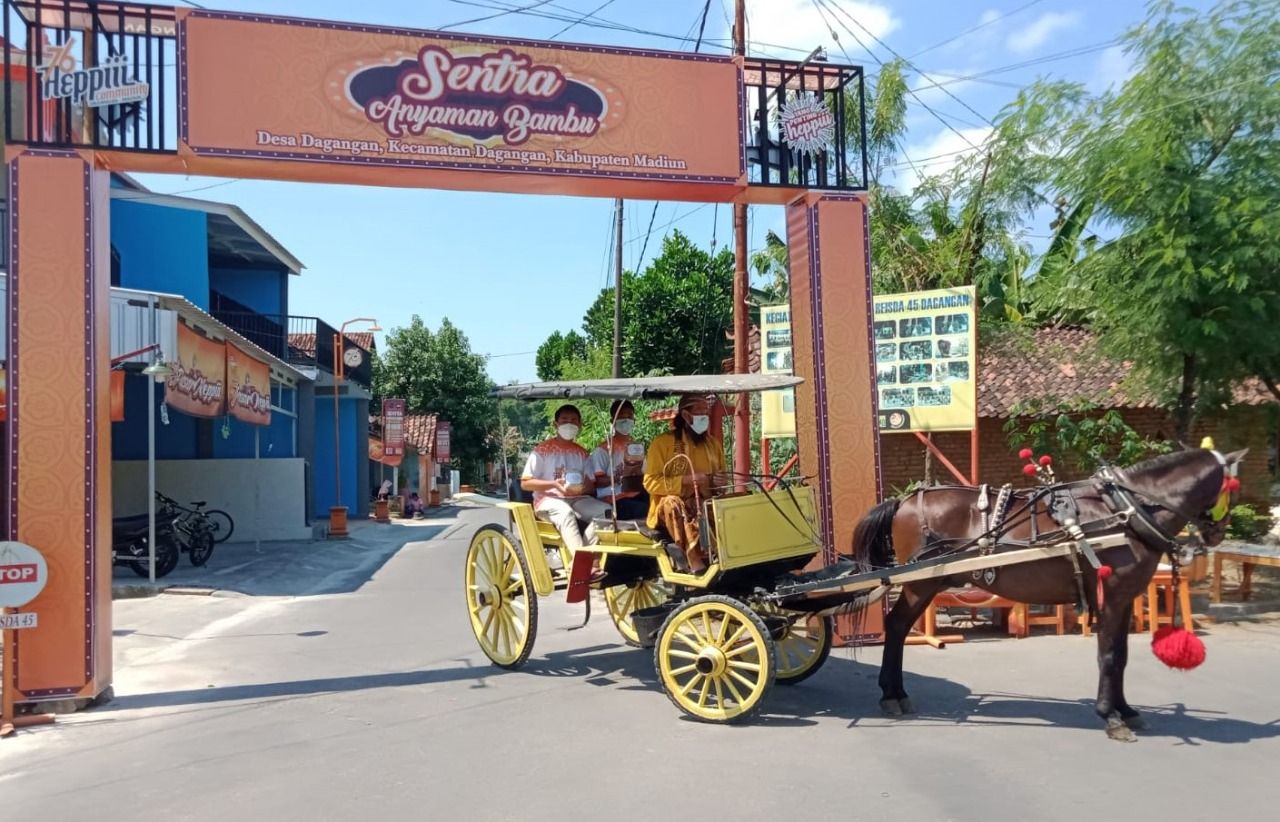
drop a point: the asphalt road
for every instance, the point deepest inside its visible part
(374, 703)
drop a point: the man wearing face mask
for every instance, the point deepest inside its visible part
(681, 470)
(562, 489)
(618, 466)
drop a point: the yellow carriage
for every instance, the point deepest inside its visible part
(719, 642)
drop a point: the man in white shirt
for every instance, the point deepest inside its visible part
(562, 487)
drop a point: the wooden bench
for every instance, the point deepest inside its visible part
(1248, 556)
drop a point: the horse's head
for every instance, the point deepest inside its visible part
(1190, 487)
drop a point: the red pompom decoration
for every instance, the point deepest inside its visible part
(1232, 484)
(1029, 470)
(1178, 648)
(1104, 571)
(1025, 454)
(1046, 460)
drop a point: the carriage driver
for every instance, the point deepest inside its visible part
(681, 470)
(557, 475)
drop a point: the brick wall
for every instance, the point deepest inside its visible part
(902, 456)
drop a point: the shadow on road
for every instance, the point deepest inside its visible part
(292, 568)
(845, 689)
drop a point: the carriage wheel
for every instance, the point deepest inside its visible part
(803, 647)
(500, 598)
(715, 659)
(625, 600)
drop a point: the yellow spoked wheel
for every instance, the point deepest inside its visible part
(500, 598)
(625, 600)
(715, 659)
(802, 648)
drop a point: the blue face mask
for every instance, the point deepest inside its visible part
(700, 423)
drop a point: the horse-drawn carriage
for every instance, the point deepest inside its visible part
(723, 637)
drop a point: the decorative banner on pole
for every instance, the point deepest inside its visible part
(198, 384)
(393, 429)
(778, 417)
(377, 452)
(249, 391)
(117, 396)
(443, 438)
(925, 370)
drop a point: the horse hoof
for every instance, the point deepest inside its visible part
(890, 707)
(906, 706)
(1135, 723)
(1119, 731)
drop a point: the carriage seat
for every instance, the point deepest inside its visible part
(636, 526)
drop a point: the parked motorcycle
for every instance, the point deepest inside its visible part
(129, 543)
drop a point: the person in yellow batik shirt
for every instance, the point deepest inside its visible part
(683, 467)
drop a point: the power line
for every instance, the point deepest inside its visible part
(702, 26)
(647, 234)
(969, 31)
(584, 18)
(502, 13)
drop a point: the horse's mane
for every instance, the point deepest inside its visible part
(1169, 460)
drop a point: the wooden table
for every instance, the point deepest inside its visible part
(1248, 556)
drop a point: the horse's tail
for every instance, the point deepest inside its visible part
(873, 538)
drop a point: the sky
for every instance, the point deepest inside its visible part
(509, 269)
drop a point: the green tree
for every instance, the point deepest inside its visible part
(674, 314)
(1183, 164)
(436, 373)
(555, 350)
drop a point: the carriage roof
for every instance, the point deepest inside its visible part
(647, 388)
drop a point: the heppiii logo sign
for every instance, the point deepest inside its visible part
(109, 84)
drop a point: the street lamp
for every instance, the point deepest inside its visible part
(338, 512)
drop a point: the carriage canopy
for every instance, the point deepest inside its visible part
(647, 388)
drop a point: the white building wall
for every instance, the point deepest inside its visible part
(266, 498)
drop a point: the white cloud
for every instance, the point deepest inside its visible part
(938, 155)
(1037, 33)
(1113, 68)
(797, 23)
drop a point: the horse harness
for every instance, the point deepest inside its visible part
(1061, 505)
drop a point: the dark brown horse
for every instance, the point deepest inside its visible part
(1169, 491)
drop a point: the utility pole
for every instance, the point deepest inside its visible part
(742, 413)
(617, 293)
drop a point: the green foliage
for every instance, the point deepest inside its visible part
(1183, 162)
(1248, 525)
(436, 373)
(555, 350)
(772, 266)
(1080, 434)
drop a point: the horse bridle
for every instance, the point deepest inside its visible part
(1117, 491)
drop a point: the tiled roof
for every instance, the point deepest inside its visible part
(1055, 364)
(420, 432)
(753, 352)
(306, 343)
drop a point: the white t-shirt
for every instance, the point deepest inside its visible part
(606, 465)
(553, 459)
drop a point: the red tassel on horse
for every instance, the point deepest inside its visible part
(1178, 648)
(1103, 573)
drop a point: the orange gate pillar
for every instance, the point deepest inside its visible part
(836, 414)
(59, 435)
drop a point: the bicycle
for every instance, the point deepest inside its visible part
(194, 528)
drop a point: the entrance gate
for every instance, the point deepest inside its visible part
(95, 87)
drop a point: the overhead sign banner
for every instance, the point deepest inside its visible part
(778, 408)
(925, 369)
(199, 380)
(393, 428)
(249, 387)
(443, 441)
(371, 95)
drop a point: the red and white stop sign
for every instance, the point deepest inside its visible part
(23, 574)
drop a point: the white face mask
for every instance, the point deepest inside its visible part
(700, 423)
(624, 427)
(568, 431)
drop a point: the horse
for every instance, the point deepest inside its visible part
(1165, 494)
